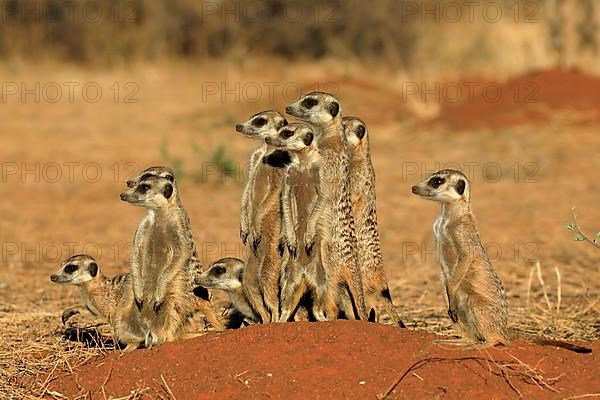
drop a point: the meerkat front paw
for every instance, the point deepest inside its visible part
(139, 303)
(309, 240)
(68, 314)
(244, 236)
(157, 306)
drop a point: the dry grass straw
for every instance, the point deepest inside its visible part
(508, 370)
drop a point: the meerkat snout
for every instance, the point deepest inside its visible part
(239, 127)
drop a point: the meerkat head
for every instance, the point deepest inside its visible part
(445, 186)
(295, 137)
(262, 125)
(317, 108)
(76, 270)
(154, 192)
(225, 274)
(356, 132)
(161, 171)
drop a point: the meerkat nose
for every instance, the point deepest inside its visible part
(122, 196)
(288, 109)
(239, 127)
(414, 189)
(53, 278)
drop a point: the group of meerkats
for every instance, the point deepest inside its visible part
(309, 221)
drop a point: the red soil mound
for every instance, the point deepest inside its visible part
(336, 360)
(529, 98)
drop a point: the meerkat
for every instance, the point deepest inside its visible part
(202, 297)
(300, 271)
(227, 274)
(364, 207)
(262, 209)
(108, 298)
(331, 218)
(258, 127)
(160, 257)
(474, 293)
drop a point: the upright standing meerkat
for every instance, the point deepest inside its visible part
(201, 298)
(160, 260)
(364, 207)
(262, 209)
(258, 127)
(475, 297)
(300, 271)
(108, 298)
(331, 218)
(227, 274)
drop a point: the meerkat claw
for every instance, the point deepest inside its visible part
(309, 249)
(139, 304)
(157, 306)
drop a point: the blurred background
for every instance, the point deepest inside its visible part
(508, 91)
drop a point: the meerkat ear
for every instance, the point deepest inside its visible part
(285, 122)
(334, 109)
(241, 274)
(168, 191)
(93, 269)
(308, 138)
(360, 131)
(460, 186)
(170, 178)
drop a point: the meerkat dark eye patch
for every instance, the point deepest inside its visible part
(286, 133)
(309, 102)
(360, 132)
(460, 186)
(260, 121)
(218, 270)
(70, 268)
(93, 269)
(143, 188)
(436, 182)
(308, 138)
(334, 109)
(168, 191)
(146, 176)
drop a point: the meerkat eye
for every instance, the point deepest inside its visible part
(258, 122)
(143, 188)
(436, 181)
(70, 268)
(309, 103)
(286, 134)
(218, 270)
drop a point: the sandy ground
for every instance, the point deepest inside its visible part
(64, 164)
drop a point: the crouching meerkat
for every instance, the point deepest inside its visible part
(108, 298)
(364, 207)
(300, 271)
(201, 298)
(160, 258)
(331, 218)
(227, 274)
(261, 208)
(476, 299)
